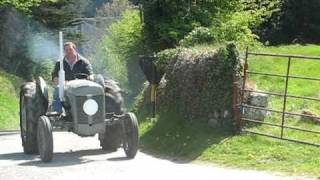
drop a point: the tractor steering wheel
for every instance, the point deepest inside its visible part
(80, 76)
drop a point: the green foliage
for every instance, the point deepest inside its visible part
(122, 42)
(76, 37)
(43, 69)
(120, 50)
(109, 64)
(265, 8)
(26, 53)
(59, 13)
(240, 25)
(113, 9)
(167, 22)
(108, 59)
(235, 27)
(23, 6)
(9, 104)
(197, 36)
(124, 37)
(164, 57)
(295, 21)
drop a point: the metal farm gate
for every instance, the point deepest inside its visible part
(284, 115)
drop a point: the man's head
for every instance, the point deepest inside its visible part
(70, 49)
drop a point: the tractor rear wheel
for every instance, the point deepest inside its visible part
(111, 139)
(45, 140)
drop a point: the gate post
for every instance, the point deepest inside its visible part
(236, 105)
(242, 90)
(285, 97)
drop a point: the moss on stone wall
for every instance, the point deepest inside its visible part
(199, 83)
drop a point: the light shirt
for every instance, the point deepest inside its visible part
(73, 63)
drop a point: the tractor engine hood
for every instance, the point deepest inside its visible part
(87, 106)
(81, 87)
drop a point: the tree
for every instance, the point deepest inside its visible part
(56, 14)
(167, 22)
(22, 5)
(295, 21)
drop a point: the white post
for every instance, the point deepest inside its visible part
(61, 72)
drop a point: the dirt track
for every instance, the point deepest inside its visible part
(81, 158)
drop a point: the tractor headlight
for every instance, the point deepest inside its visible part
(90, 107)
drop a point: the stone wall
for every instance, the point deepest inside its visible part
(257, 100)
(198, 84)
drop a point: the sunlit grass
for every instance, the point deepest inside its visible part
(9, 101)
(296, 87)
(170, 136)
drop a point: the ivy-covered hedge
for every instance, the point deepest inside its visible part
(199, 84)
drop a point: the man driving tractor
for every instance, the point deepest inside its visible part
(91, 108)
(74, 64)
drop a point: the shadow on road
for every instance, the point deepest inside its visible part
(9, 132)
(61, 159)
(124, 158)
(18, 156)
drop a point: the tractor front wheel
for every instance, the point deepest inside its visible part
(131, 136)
(45, 140)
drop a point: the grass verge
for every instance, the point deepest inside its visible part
(9, 101)
(171, 136)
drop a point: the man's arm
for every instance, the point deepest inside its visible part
(89, 71)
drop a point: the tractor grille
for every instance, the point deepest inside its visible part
(82, 117)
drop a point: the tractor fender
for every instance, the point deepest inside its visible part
(43, 88)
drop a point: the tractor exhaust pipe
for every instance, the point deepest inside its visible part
(61, 71)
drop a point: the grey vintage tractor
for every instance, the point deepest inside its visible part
(90, 108)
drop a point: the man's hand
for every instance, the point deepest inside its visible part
(90, 77)
(56, 81)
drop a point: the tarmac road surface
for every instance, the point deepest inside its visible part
(82, 158)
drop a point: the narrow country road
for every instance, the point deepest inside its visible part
(81, 158)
